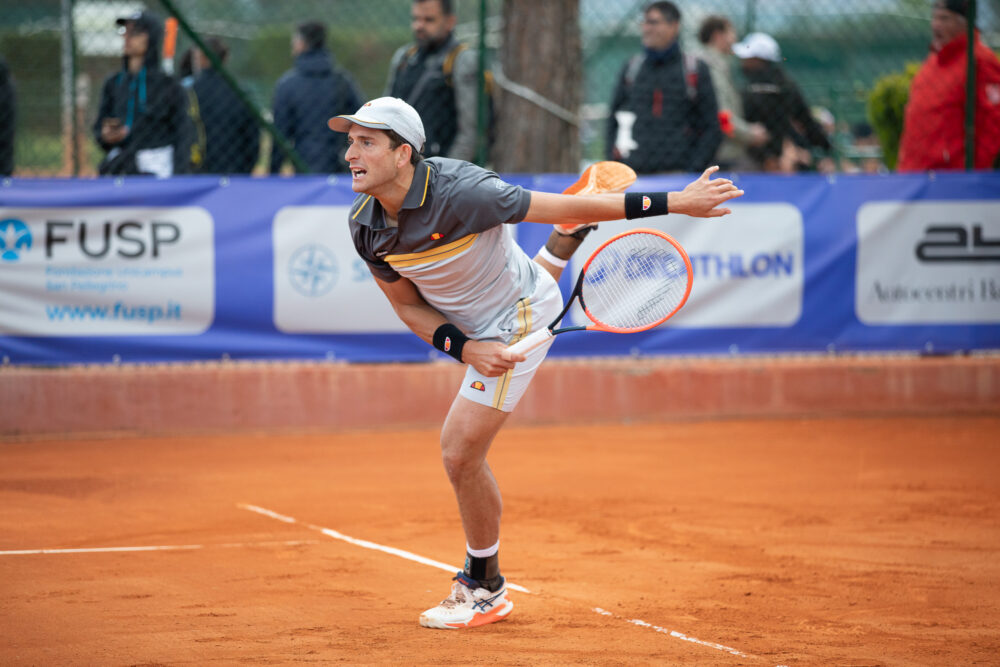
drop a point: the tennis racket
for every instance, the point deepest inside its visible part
(635, 281)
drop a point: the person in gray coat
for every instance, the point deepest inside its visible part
(717, 37)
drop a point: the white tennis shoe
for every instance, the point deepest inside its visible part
(468, 606)
(600, 177)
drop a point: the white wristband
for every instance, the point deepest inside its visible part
(552, 259)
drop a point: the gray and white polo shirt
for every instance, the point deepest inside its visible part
(451, 243)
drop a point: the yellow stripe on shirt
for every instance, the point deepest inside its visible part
(427, 181)
(361, 208)
(434, 254)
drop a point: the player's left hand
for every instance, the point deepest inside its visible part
(488, 357)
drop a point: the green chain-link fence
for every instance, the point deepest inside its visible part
(59, 54)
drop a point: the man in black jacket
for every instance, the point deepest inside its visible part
(772, 98)
(308, 95)
(142, 121)
(664, 115)
(230, 131)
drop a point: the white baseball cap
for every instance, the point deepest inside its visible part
(758, 45)
(385, 113)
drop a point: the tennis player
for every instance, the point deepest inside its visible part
(433, 233)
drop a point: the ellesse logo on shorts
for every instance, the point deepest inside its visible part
(478, 386)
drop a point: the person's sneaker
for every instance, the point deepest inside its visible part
(468, 606)
(607, 176)
(600, 177)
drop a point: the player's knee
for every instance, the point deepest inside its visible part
(459, 461)
(456, 463)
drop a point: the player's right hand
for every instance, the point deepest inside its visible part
(489, 358)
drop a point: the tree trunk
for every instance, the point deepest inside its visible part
(541, 51)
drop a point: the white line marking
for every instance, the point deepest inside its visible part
(674, 633)
(329, 532)
(176, 547)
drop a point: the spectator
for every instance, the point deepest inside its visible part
(187, 69)
(232, 137)
(142, 121)
(717, 37)
(772, 98)
(438, 76)
(663, 114)
(306, 96)
(866, 149)
(934, 121)
(186, 75)
(8, 117)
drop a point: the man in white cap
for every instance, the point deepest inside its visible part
(432, 233)
(772, 98)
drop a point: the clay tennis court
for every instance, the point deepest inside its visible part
(868, 541)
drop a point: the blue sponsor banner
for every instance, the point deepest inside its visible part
(198, 268)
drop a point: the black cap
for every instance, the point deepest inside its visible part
(142, 21)
(957, 6)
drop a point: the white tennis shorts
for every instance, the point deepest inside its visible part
(533, 313)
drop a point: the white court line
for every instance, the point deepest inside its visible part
(444, 566)
(675, 634)
(176, 547)
(329, 532)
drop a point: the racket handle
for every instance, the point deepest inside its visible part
(528, 343)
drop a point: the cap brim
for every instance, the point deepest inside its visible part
(741, 51)
(343, 123)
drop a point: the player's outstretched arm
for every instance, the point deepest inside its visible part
(702, 198)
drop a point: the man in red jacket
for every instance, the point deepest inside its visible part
(934, 124)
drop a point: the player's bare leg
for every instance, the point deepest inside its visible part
(598, 178)
(468, 432)
(479, 594)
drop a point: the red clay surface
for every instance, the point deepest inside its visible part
(847, 542)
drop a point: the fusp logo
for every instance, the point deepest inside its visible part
(14, 238)
(312, 270)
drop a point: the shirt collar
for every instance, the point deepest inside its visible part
(417, 194)
(369, 211)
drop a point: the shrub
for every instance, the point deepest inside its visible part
(886, 106)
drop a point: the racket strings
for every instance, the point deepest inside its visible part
(635, 282)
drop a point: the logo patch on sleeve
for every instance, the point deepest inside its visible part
(646, 203)
(478, 386)
(447, 344)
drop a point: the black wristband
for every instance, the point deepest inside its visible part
(645, 204)
(449, 339)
